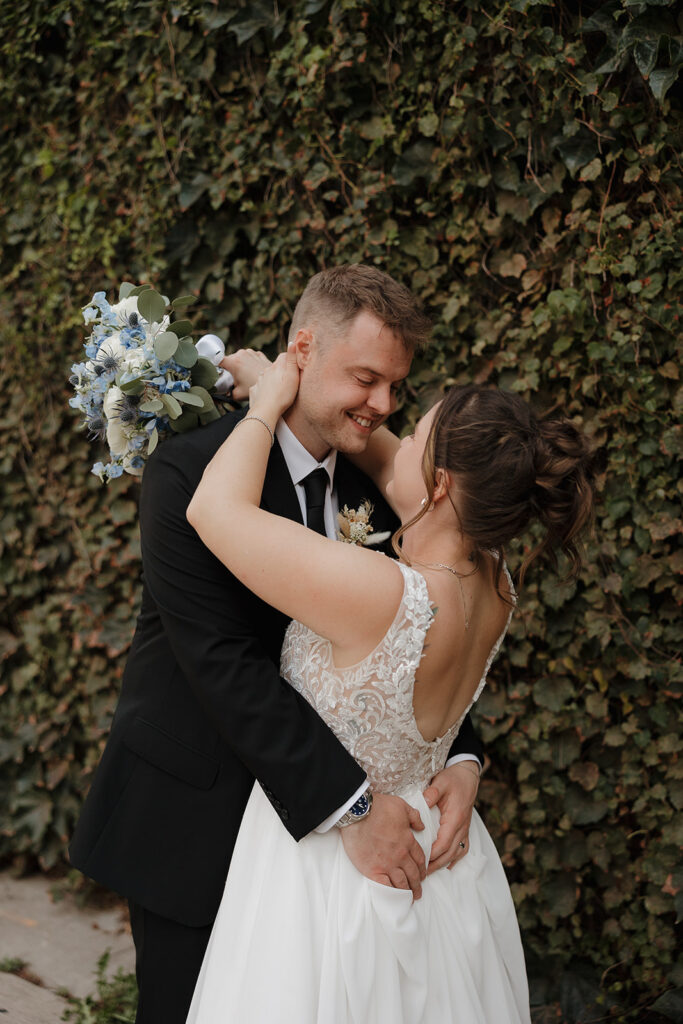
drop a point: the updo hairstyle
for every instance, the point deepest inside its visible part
(510, 468)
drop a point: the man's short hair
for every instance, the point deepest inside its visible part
(335, 297)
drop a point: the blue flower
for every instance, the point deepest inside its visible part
(99, 299)
(76, 402)
(137, 462)
(89, 314)
(91, 350)
(114, 470)
(99, 470)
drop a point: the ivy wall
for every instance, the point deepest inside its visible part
(516, 163)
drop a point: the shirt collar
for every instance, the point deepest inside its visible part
(299, 461)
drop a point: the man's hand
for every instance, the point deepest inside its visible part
(382, 846)
(454, 789)
(245, 365)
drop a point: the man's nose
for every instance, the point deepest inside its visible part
(381, 399)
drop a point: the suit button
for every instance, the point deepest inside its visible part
(284, 814)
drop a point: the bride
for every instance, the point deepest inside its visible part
(392, 653)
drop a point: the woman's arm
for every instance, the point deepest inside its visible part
(343, 592)
(377, 461)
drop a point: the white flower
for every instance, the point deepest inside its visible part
(117, 437)
(125, 307)
(134, 359)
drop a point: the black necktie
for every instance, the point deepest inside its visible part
(315, 485)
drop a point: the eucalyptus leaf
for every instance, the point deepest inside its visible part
(186, 354)
(204, 397)
(210, 416)
(153, 441)
(188, 421)
(133, 387)
(187, 398)
(182, 327)
(172, 406)
(204, 373)
(139, 289)
(151, 305)
(165, 345)
(151, 405)
(183, 302)
(125, 289)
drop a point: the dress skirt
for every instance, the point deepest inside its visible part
(302, 937)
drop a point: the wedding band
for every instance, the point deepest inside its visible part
(461, 845)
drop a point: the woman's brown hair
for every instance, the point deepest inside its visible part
(510, 468)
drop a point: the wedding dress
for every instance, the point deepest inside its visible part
(302, 937)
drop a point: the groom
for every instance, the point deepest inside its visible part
(203, 711)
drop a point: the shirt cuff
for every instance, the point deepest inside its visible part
(457, 758)
(328, 823)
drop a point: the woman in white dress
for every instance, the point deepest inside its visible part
(392, 654)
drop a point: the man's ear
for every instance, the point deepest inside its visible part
(302, 345)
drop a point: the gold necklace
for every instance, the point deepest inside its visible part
(454, 572)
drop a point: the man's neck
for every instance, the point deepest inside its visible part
(304, 435)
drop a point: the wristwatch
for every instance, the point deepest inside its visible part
(357, 811)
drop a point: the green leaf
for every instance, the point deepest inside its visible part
(152, 405)
(188, 421)
(209, 417)
(151, 305)
(182, 327)
(153, 441)
(139, 289)
(172, 406)
(125, 288)
(204, 373)
(661, 80)
(187, 398)
(186, 354)
(183, 302)
(133, 387)
(645, 55)
(165, 345)
(204, 397)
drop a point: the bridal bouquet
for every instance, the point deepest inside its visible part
(142, 377)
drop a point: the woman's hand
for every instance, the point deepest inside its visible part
(245, 365)
(276, 387)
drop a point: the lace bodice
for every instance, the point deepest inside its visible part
(369, 705)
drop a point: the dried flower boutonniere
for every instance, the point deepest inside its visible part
(355, 526)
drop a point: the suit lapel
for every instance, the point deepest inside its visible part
(279, 495)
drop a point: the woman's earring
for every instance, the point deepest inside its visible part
(423, 503)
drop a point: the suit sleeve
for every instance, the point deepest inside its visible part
(467, 742)
(212, 624)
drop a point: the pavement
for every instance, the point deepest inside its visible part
(60, 944)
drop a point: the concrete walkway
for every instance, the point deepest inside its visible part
(60, 943)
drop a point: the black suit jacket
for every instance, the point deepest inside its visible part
(203, 710)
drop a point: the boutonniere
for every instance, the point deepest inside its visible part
(355, 526)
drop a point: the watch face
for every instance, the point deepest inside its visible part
(360, 807)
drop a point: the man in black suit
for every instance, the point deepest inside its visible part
(203, 711)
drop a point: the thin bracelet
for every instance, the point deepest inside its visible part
(472, 771)
(258, 420)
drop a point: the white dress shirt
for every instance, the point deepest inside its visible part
(300, 463)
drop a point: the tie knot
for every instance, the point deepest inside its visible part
(315, 486)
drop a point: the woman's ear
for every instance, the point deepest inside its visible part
(442, 484)
(302, 346)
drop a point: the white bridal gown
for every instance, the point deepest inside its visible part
(302, 938)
